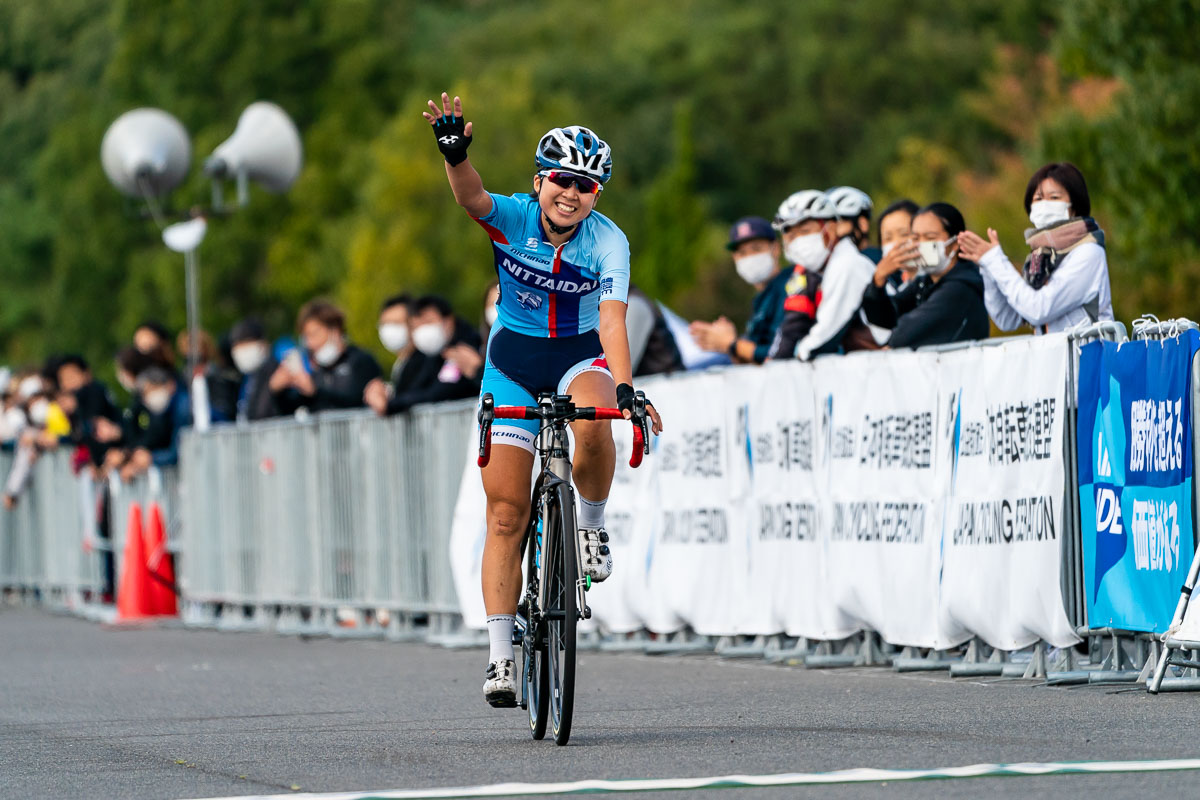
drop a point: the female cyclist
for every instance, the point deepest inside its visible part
(564, 279)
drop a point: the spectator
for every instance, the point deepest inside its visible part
(755, 249)
(221, 385)
(854, 218)
(251, 354)
(895, 229)
(450, 348)
(808, 222)
(86, 401)
(944, 303)
(151, 339)
(491, 297)
(341, 371)
(1064, 281)
(154, 433)
(45, 424)
(395, 333)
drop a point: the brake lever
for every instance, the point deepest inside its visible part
(487, 413)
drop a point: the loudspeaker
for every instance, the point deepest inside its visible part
(265, 147)
(146, 152)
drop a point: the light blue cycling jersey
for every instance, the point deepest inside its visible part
(548, 292)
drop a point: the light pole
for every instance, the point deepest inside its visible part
(146, 154)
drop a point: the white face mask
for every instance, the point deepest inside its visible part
(429, 338)
(491, 314)
(157, 400)
(39, 410)
(394, 336)
(887, 248)
(28, 387)
(756, 268)
(14, 420)
(248, 357)
(934, 256)
(1045, 213)
(329, 352)
(809, 251)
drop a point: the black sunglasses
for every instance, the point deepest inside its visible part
(568, 179)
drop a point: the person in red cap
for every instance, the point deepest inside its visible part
(756, 252)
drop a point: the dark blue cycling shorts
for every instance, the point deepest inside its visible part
(520, 367)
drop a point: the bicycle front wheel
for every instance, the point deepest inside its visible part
(560, 575)
(534, 669)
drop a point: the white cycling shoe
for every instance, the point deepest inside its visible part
(593, 549)
(500, 688)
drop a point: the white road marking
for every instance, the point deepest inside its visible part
(861, 775)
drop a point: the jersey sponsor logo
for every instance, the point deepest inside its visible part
(548, 282)
(532, 243)
(529, 300)
(607, 287)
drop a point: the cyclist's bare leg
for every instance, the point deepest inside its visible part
(506, 482)
(595, 453)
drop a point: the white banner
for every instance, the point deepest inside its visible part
(878, 418)
(1005, 415)
(915, 494)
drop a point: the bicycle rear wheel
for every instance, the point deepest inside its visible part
(560, 575)
(534, 672)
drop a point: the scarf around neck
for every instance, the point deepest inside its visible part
(1048, 246)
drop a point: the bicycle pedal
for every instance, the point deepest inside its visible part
(502, 700)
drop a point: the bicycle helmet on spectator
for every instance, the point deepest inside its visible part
(575, 149)
(803, 205)
(850, 203)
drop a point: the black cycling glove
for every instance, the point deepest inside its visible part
(625, 396)
(451, 138)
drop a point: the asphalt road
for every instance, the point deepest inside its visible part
(89, 712)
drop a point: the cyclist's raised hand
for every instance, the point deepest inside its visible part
(453, 136)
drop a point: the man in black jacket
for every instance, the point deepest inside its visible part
(446, 364)
(944, 303)
(251, 353)
(340, 370)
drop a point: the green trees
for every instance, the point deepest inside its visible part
(714, 110)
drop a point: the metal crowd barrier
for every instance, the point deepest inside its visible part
(339, 525)
(335, 524)
(49, 543)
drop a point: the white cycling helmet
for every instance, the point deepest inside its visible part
(575, 149)
(801, 206)
(849, 202)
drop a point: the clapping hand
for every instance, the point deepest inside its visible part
(973, 247)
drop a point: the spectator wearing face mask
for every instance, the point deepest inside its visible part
(1064, 280)
(944, 303)
(450, 349)
(251, 354)
(341, 371)
(153, 438)
(854, 218)
(395, 334)
(808, 222)
(755, 249)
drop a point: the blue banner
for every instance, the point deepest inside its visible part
(1135, 479)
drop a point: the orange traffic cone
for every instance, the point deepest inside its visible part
(159, 566)
(133, 600)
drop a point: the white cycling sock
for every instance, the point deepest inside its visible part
(500, 631)
(591, 515)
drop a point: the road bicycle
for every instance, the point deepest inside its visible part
(555, 598)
